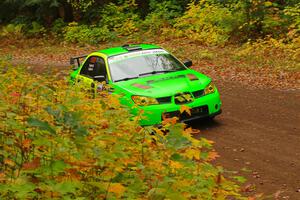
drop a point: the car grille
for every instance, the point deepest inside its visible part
(198, 93)
(183, 98)
(200, 111)
(163, 100)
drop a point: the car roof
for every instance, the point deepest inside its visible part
(126, 48)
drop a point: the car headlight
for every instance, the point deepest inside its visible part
(210, 89)
(144, 101)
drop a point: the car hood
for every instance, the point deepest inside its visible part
(161, 85)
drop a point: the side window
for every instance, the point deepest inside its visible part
(94, 66)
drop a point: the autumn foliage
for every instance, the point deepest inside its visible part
(58, 142)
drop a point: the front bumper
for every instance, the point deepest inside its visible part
(202, 116)
(202, 107)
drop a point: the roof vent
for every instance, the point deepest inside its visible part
(131, 47)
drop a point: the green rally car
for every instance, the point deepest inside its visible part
(150, 81)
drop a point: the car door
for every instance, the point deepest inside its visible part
(93, 69)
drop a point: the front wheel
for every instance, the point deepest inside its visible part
(210, 118)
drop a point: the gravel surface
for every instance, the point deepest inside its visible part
(258, 135)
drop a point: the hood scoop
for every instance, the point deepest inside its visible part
(192, 77)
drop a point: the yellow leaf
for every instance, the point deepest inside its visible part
(195, 142)
(184, 183)
(158, 131)
(9, 162)
(2, 176)
(116, 188)
(156, 164)
(169, 121)
(175, 164)
(108, 173)
(268, 3)
(191, 131)
(129, 161)
(193, 153)
(186, 109)
(119, 169)
(212, 155)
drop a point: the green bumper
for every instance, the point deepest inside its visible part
(205, 106)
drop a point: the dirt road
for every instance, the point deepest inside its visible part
(258, 135)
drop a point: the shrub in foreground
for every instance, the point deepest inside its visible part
(58, 143)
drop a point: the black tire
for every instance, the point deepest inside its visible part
(210, 118)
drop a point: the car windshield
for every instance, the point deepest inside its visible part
(142, 63)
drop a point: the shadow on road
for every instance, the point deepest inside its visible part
(205, 125)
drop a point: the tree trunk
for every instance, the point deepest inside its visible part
(66, 12)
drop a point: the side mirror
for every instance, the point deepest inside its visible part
(72, 63)
(188, 63)
(99, 78)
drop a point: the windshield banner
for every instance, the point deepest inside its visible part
(136, 54)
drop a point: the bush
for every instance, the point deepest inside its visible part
(36, 29)
(58, 27)
(207, 23)
(19, 30)
(120, 18)
(87, 34)
(116, 21)
(272, 53)
(13, 30)
(273, 23)
(293, 15)
(162, 16)
(57, 143)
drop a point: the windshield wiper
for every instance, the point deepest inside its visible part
(152, 72)
(128, 78)
(156, 72)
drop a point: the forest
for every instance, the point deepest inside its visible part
(211, 22)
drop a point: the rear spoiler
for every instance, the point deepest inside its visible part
(75, 61)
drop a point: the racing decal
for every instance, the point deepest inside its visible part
(141, 86)
(166, 78)
(91, 67)
(136, 54)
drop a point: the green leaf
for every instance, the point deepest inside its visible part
(81, 131)
(174, 196)
(59, 166)
(176, 157)
(67, 187)
(41, 125)
(23, 191)
(240, 179)
(157, 194)
(54, 112)
(177, 140)
(42, 141)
